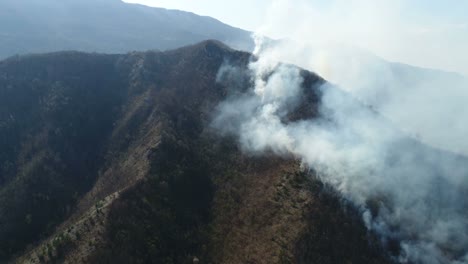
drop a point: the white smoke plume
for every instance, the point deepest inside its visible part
(338, 43)
(362, 143)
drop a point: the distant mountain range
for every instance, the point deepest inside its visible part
(109, 26)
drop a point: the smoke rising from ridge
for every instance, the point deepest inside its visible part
(335, 42)
(408, 191)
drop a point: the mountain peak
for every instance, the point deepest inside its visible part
(210, 47)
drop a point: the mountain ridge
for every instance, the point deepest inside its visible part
(105, 27)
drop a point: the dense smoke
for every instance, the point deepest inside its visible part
(338, 41)
(408, 191)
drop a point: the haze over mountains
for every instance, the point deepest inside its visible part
(108, 26)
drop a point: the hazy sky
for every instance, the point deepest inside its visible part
(428, 33)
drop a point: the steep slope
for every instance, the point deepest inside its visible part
(52, 143)
(109, 26)
(112, 159)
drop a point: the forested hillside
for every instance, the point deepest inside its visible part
(112, 159)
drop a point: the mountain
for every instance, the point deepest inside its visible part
(112, 159)
(108, 26)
